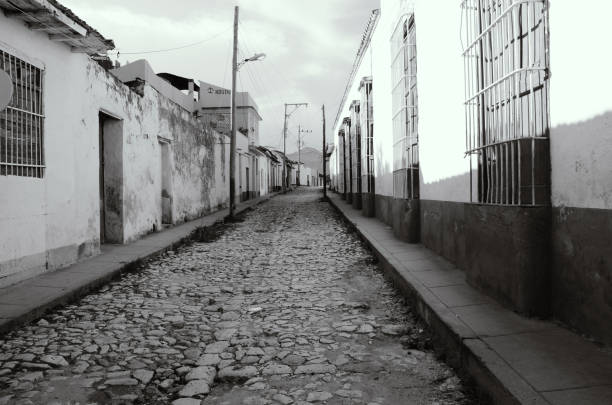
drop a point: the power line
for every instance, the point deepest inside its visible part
(277, 71)
(174, 48)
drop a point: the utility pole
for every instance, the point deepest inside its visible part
(285, 172)
(324, 155)
(232, 194)
(300, 131)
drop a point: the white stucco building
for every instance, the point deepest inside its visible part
(480, 132)
(89, 156)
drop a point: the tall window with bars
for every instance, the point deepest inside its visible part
(348, 158)
(506, 63)
(341, 161)
(405, 110)
(356, 145)
(367, 135)
(21, 123)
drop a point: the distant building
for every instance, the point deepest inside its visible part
(215, 105)
(274, 171)
(214, 108)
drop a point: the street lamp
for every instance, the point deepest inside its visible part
(254, 58)
(235, 66)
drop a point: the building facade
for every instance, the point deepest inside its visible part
(91, 155)
(477, 142)
(214, 108)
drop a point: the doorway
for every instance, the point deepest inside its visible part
(248, 195)
(166, 181)
(110, 176)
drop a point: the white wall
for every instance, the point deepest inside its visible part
(54, 221)
(264, 174)
(379, 60)
(42, 220)
(580, 104)
(444, 170)
(141, 69)
(440, 81)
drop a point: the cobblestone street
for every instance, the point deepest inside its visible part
(283, 307)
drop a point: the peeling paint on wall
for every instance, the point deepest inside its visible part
(59, 216)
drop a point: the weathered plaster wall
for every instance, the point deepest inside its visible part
(581, 162)
(141, 69)
(43, 224)
(54, 221)
(264, 174)
(197, 153)
(242, 162)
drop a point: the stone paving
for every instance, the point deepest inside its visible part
(285, 307)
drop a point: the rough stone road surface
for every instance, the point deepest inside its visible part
(286, 307)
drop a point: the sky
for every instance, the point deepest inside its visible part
(310, 47)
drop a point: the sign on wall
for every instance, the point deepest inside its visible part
(214, 96)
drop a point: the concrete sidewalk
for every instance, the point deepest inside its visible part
(30, 299)
(513, 360)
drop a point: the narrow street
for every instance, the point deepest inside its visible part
(284, 307)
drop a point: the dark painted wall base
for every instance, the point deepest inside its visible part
(247, 195)
(367, 204)
(382, 208)
(508, 255)
(539, 261)
(357, 202)
(406, 220)
(401, 215)
(443, 229)
(582, 270)
(502, 249)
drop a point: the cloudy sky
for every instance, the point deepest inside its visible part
(310, 48)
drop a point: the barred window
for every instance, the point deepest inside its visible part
(367, 135)
(506, 66)
(348, 156)
(342, 160)
(21, 123)
(405, 110)
(356, 146)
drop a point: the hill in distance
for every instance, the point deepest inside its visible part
(311, 158)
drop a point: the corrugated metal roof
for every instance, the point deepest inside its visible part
(60, 23)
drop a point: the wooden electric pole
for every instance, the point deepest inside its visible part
(285, 172)
(324, 155)
(232, 193)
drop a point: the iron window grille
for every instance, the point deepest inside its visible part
(405, 110)
(356, 145)
(367, 135)
(348, 156)
(22, 121)
(506, 65)
(341, 161)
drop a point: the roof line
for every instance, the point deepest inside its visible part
(365, 41)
